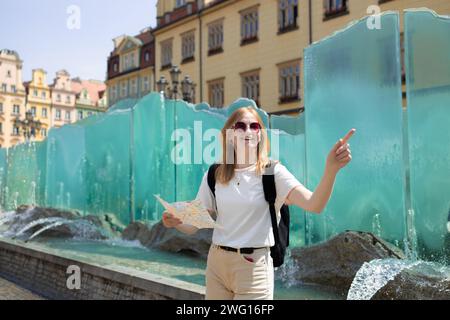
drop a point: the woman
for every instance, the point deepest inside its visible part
(239, 264)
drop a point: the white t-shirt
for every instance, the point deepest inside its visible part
(243, 212)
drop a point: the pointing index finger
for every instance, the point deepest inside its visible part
(348, 136)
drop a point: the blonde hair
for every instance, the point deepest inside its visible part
(225, 171)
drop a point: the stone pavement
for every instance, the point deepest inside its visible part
(10, 291)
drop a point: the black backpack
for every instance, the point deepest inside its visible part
(281, 230)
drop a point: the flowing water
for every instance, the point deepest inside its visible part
(374, 275)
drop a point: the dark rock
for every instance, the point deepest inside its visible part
(162, 238)
(30, 213)
(415, 285)
(335, 262)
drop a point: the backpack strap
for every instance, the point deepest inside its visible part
(270, 193)
(212, 178)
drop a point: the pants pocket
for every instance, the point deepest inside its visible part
(258, 257)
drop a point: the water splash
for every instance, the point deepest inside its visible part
(144, 211)
(374, 275)
(286, 273)
(33, 193)
(376, 225)
(15, 197)
(411, 246)
(6, 217)
(38, 222)
(49, 226)
(80, 228)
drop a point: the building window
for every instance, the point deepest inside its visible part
(35, 93)
(250, 85)
(67, 118)
(215, 37)
(133, 87)
(80, 115)
(114, 92)
(115, 67)
(166, 54)
(33, 111)
(58, 114)
(335, 8)
(68, 99)
(15, 131)
(124, 89)
(44, 112)
(188, 46)
(43, 132)
(129, 61)
(249, 25)
(147, 56)
(44, 95)
(146, 84)
(1, 129)
(13, 89)
(126, 62)
(179, 3)
(290, 82)
(133, 60)
(1, 107)
(4, 87)
(216, 93)
(287, 15)
(16, 109)
(8, 74)
(58, 98)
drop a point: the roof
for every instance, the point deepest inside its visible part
(145, 37)
(93, 87)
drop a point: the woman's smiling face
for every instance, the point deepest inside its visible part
(248, 135)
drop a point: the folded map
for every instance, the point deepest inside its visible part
(192, 213)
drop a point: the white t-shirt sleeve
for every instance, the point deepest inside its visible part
(284, 183)
(205, 195)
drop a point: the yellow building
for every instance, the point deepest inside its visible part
(130, 67)
(39, 101)
(254, 48)
(63, 100)
(12, 98)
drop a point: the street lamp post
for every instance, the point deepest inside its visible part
(29, 126)
(187, 85)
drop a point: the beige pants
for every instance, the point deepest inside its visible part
(232, 275)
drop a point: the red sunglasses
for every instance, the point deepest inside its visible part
(254, 126)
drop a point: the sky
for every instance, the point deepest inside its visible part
(75, 35)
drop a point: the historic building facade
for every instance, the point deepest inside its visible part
(63, 100)
(254, 48)
(39, 102)
(130, 71)
(91, 97)
(12, 97)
